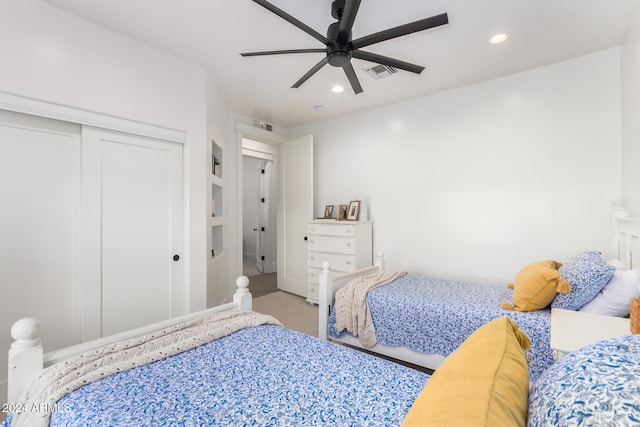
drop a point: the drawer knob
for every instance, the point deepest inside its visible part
(348, 230)
(349, 244)
(313, 258)
(349, 262)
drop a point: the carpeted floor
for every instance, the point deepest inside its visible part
(263, 284)
(293, 311)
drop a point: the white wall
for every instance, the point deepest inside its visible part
(476, 182)
(51, 55)
(218, 290)
(631, 115)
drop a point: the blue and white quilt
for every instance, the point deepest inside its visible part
(598, 385)
(259, 376)
(436, 316)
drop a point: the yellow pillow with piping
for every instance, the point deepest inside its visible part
(484, 382)
(536, 285)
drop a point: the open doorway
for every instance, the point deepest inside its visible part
(259, 201)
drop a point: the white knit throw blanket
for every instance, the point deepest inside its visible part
(62, 378)
(352, 310)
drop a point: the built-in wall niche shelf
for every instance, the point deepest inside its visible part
(216, 220)
(216, 159)
(217, 200)
(217, 241)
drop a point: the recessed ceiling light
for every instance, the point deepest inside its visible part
(337, 89)
(498, 38)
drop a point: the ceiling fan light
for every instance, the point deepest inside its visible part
(498, 38)
(337, 89)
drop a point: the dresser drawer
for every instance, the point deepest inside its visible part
(313, 275)
(313, 293)
(332, 229)
(337, 262)
(341, 245)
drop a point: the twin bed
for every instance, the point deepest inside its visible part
(229, 366)
(226, 366)
(421, 320)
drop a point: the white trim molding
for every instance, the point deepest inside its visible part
(21, 104)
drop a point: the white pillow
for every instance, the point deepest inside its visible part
(615, 298)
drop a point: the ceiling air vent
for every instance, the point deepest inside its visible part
(262, 125)
(380, 71)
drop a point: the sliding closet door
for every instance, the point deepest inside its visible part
(132, 187)
(39, 229)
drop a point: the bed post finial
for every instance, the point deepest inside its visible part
(25, 355)
(325, 266)
(380, 261)
(242, 297)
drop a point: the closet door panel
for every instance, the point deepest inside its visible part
(39, 228)
(140, 186)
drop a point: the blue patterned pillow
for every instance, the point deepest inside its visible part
(587, 273)
(594, 386)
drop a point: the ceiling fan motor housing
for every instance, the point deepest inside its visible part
(338, 55)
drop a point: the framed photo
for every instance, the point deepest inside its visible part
(354, 209)
(342, 212)
(328, 211)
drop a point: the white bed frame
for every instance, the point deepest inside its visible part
(26, 357)
(329, 285)
(625, 232)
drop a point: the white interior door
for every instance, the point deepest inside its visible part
(133, 188)
(295, 210)
(39, 229)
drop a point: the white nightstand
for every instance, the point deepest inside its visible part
(571, 330)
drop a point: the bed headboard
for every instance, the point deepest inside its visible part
(625, 237)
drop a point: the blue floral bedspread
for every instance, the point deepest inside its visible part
(261, 376)
(598, 385)
(436, 316)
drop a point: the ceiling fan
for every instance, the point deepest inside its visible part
(340, 48)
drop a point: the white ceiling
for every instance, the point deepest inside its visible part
(212, 33)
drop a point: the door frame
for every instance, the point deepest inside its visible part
(243, 131)
(35, 107)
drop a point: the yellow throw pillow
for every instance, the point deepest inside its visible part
(484, 382)
(536, 285)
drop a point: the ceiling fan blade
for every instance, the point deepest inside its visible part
(281, 52)
(402, 30)
(353, 79)
(346, 22)
(385, 60)
(284, 15)
(311, 72)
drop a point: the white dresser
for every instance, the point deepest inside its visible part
(347, 245)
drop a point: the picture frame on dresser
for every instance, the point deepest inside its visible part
(328, 212)
(342, 212)
(354, 210)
